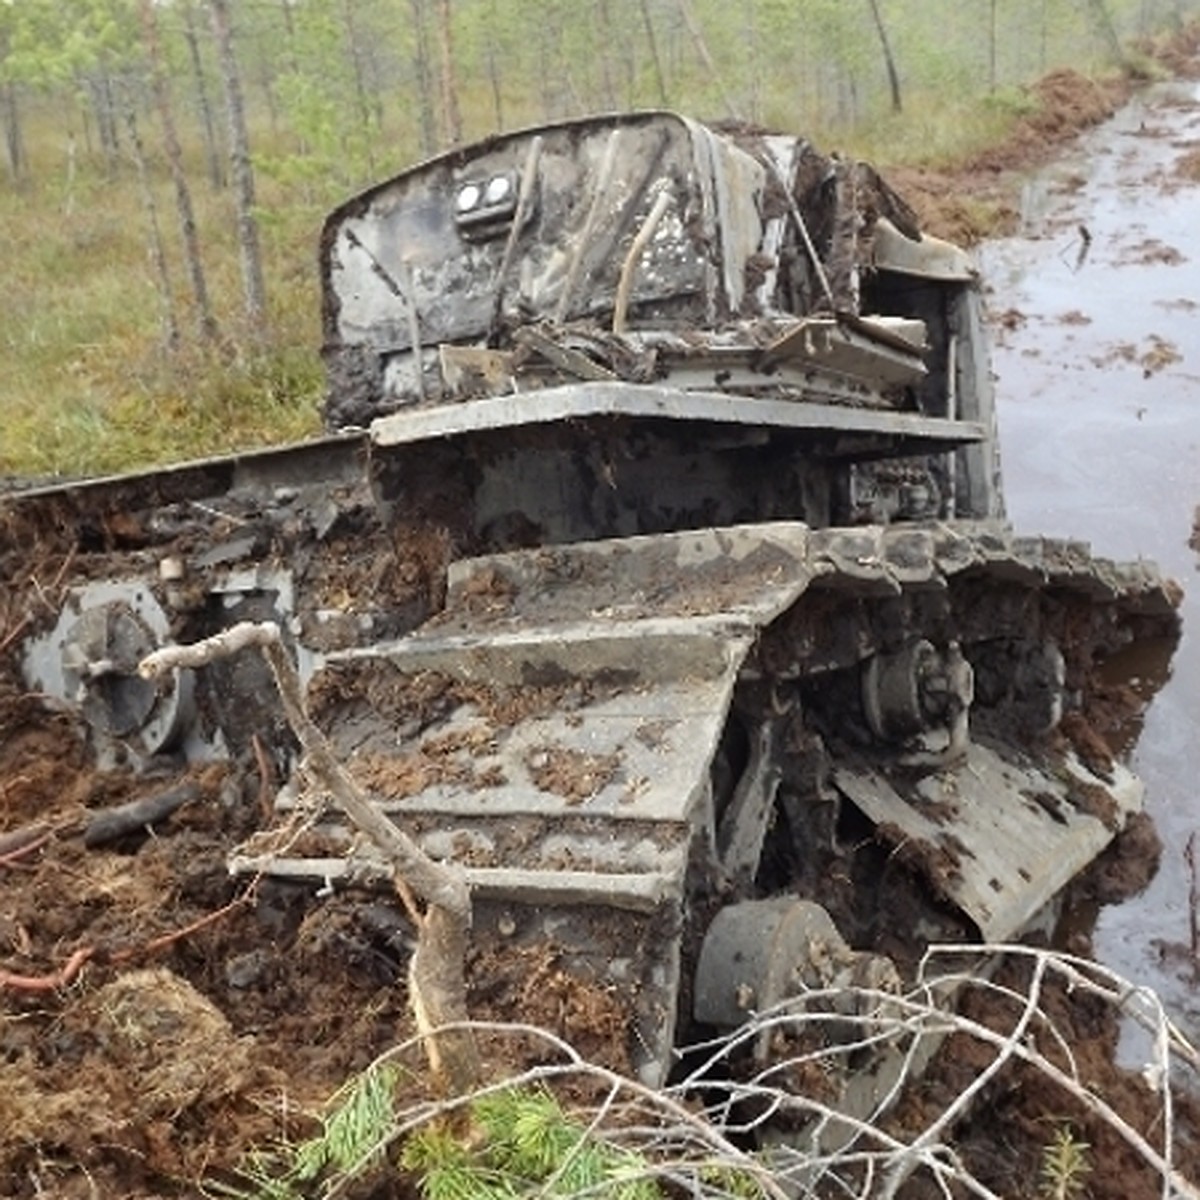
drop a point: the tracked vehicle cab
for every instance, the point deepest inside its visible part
(634, 324)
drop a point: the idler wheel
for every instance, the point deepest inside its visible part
(758, 953)
(100, 656)
(916, 689)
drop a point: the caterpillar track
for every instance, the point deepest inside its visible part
(607, 736)
(654, 572)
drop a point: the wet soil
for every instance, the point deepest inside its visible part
(1003, 1141)
(158, 1018)
(1093, 300)
(981, 197)
(169, 1017)
(976, 199)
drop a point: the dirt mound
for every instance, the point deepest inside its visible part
(141, 1062)
(977, 199)
(1178, 53)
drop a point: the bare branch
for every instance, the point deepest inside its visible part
(437, 985)
(694, 1146)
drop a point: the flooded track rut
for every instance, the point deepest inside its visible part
(1097, 312)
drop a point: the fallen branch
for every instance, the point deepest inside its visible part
(436, 974)
(137, 815)
(24, 841)
(61, 978)
(169, 939)
(66, 974)
(14, 633)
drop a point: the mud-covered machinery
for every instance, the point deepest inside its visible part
(654, 572)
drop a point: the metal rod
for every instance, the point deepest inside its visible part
(629, 268)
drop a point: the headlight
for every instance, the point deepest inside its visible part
(467, 198)
(498, 189)
(483, 206)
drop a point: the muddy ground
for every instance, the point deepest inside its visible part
(158, 1018)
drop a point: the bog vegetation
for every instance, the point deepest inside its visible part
(167, 163)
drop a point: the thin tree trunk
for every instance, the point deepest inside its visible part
(85, 115)
(697, 36)
(547, 93)
(206, 322)
(216, 175)
(1102, 16)
(360, 89)
(69, 186)
(566, 70)
(493, 69)
(102, 110)
(652, 46)
(109, 108)
(266, 81)
(14, 141)
(437, 982)
(158, 252)
(451, 117)
(992, 47)
(241, 168)
(424, 73)
(293, 69)
(290, 29)
(889, 61)
(607, 46)
(374, 77)
(753, 33)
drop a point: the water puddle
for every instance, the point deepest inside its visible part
(1097, 309)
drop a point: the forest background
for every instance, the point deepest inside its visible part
(167, 163)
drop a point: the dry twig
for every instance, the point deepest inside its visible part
(51, 982)
(436, 981)
(691, 1135)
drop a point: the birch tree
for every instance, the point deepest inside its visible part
(241, 169)
(212, 156)
(423, 69)
(10, 104)
(205, 321)
(158, 251)
(452, 129)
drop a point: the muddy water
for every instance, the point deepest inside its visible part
(1097, 306)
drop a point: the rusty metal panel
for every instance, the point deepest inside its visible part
(998, 837)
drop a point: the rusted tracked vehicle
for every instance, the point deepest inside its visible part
(654, 570)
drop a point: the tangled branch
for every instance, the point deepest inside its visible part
(693, 1137)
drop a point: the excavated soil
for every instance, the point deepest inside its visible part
(159, 1018)
(980, 197)
(210, 1017)
(1004, 1139)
